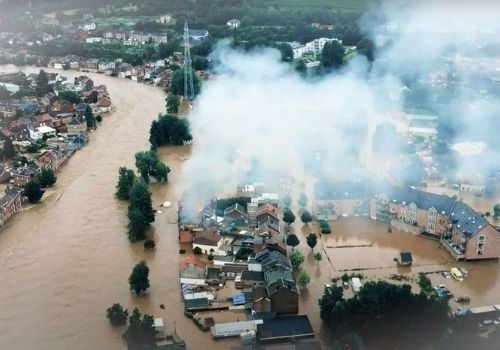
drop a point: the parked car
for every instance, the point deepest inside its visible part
(463, 299)
(445, 274)
(462, 311)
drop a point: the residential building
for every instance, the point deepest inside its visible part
(198, 34)
(42, 132)
(236, 212)
(341, 199)
(233, 23)
(208, 241)
(281, 288)
(24, 175)
(192, 268)
(76, 126)
(10, 203)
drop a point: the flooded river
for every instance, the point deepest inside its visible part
(63, 262)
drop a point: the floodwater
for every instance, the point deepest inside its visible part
(63, 262)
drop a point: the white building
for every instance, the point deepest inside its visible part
(38, 133)
(89, 27)
(233, 23)
(165, 19)
(314, 47)
(234, 329)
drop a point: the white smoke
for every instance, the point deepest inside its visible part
(259, 117)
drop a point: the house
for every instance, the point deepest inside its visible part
(198, 34)
(185, 236)
(284, 328)
(42, 132)
(165, 19)
(76, 126)
(208, 241)
(198, 304)
(213, 276)
(233, 23)
(281, 288)
(341, 199)
(19, 133)
(192, 268)
(261, 304)
(405, 259)
(61, 106)
(84, 82)
(103, 105)
(268, 225)
(235, 212)
(231, 271)
(10, 203)
(252, 279)
(24, 175)
(266, 211)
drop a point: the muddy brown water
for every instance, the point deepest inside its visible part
(63, 262)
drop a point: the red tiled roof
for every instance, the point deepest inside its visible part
(191, 260)
(185, 236)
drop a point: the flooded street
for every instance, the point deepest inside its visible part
(63, 262)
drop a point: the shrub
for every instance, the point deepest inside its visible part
(197, 250)
(182, 251)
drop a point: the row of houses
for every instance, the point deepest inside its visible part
(267, 277)
(465, 233)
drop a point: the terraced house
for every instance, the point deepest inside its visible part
(465, 233)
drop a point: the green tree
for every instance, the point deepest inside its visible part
(173, 102)
(169, 130)
(312, 240)
(117, 315)
(496, 211)
(318, 257)
(140, 211)
(89, 117)
(177, 83)
(70, 96)
(288, 216)
(366, 48)
(425, 283)
(33, 190)
(331, 296)
(140, 334)
(8, 150)
(292, 240)
(286, 52)
(296, 259)
(303, 279)
(139, 280)
(42, 84)
(306, 217)
(197, 250)
(332, 55)
(149, 165)
(302, 200)
(47, 177)
(126, 179)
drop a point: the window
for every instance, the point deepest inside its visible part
(480, 245)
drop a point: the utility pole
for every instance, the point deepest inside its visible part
(188, 71)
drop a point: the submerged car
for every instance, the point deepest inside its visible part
(445, 274)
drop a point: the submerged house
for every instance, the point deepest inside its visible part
(465, 233)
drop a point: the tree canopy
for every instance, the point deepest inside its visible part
(8, 151)
(139, 280)
(33, 190)
(177, 84)
(117, 315)
(332, 55)
(384, 308)
(140, 211)
(173, 102)
(296, 259)
(126, 179)
(292, 240)
(169, 130)
(42, 84)
(312, 240)
(304, 278)
(149, 165)
(47, 177)
(288, 216)
(306, 217)
(140, 334)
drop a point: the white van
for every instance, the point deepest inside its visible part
(456, 274)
